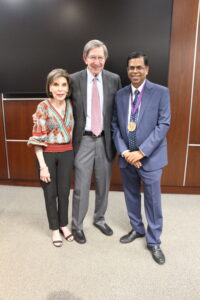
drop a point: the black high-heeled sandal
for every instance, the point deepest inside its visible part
(68, 236)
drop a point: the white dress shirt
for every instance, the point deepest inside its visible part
(131, 99)
(130, 106)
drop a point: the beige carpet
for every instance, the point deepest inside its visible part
(102, 269)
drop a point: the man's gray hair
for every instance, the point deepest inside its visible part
(94, 44)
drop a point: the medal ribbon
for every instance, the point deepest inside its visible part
(134, 109)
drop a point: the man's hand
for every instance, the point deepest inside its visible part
(133, 158)
(137, 164)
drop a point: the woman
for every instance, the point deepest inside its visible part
(52, 140)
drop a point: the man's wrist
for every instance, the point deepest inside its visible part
(142, 152)
(125, 151)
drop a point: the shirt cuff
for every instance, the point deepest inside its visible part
(122, 154)
(142, 152)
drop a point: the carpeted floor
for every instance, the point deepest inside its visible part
(102, 269)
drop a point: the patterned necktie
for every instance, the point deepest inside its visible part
(133, 118)
(96, 124)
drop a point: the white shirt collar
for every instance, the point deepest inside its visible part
(139, 88)
(91, 76)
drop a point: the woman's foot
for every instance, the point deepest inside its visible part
(66, 233)
(56, 238)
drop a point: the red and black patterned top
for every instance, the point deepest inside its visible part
(52, 131)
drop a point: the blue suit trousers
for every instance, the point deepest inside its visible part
(132, 178)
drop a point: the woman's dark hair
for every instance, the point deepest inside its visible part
(54, 74)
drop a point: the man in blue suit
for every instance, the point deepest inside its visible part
(140, 123)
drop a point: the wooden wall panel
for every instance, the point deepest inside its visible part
(18, 118)
(3, 165)
(180, 84)
(22, 161)
(193, 174)
(195, 120)
(193, 161)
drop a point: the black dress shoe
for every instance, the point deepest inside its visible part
(130, 237)
(157, 254)
(104, 228)
(79, 236)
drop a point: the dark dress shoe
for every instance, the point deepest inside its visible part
(130, 237)
(104, 228)
(157, 254)
(79, 236)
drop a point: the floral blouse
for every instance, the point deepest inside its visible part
(50, 127)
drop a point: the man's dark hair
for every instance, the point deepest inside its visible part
(137, 54)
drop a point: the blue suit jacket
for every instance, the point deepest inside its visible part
(153, 124)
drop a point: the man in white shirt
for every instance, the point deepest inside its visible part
(93, 91)
(140, 123)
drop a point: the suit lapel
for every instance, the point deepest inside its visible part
(105, 80)
(145, 100)
(83, 88)
(125, 108)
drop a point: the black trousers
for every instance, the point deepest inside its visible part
(56, 192)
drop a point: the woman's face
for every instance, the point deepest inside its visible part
(59, 88)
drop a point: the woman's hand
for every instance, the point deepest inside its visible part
(44, 171)
(44, 174)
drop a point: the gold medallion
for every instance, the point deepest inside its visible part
(131, 126)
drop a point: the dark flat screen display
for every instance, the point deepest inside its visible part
(38, 36)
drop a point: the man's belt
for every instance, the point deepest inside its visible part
(90, 133)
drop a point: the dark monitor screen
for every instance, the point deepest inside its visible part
(38, 36)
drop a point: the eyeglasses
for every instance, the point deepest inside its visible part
(137, 68)
(99, 58)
